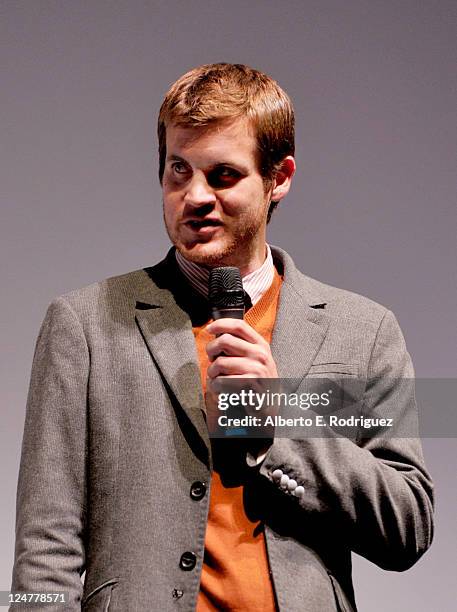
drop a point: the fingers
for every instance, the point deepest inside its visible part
(238, 350)
(237, 367)
(236, 337)
(235, 327)
(231, 345)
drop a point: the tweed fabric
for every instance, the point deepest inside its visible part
(115, 436)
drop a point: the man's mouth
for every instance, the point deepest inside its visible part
(199, 224)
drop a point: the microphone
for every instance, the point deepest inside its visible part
(227, 300)
(226, 294)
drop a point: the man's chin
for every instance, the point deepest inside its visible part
(206, 254)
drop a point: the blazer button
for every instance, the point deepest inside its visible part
(277, 474)
(292, 485)
(198, 490)
(284, 481)
(188, 561)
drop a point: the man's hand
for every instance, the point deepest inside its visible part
(238, 351)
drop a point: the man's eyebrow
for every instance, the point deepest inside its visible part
(238, 167)
(175, 158)
(232, 164)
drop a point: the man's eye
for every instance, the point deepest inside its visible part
(179, 168)
(223, 176)
(230, 172)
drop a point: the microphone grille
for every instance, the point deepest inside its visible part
(226, 288)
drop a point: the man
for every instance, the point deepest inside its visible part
(119, 477)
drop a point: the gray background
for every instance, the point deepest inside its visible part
(372, 209)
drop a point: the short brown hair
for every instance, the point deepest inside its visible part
(216, 92)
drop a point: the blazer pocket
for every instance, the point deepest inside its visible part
(341, 381)
(341, 369)
(342, 601)
(98, 599)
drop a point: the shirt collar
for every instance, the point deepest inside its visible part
(255, 283)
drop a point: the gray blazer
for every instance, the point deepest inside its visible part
(115, 444)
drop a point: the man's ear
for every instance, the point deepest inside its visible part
(283, 179)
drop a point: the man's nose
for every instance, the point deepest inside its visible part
(199, 192)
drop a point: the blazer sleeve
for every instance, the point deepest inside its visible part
(50, 511)
(377, 492)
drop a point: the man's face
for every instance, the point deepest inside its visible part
(214, 199)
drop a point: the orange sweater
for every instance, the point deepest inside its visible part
(235, 574)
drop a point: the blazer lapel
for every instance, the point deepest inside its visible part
(299, 329)
(167, 330)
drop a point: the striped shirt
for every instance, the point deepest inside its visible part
(255, 283)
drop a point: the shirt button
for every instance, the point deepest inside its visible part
(177, 593)
(197, 490)
(188, 561)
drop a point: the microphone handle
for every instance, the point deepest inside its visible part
(227, 313)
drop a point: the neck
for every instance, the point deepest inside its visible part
(251, 264)
(256, 279)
